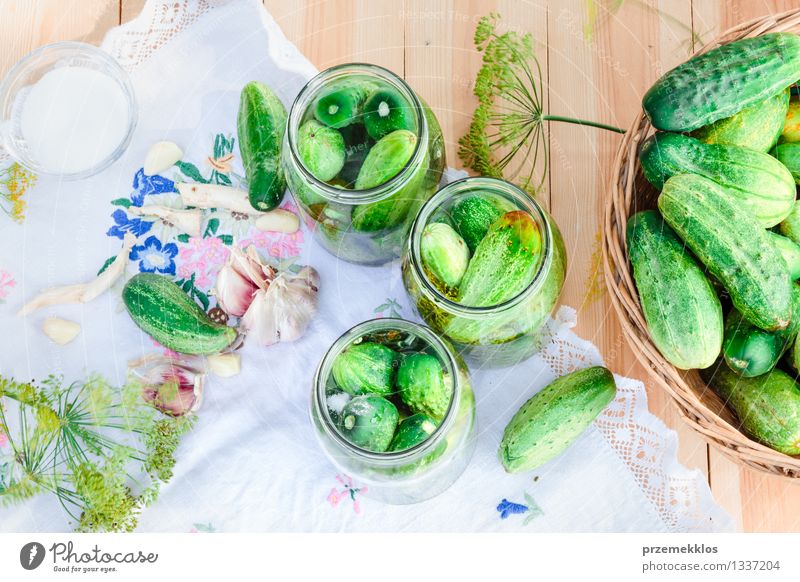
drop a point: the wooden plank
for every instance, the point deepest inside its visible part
(27, 25)
(599, 67)
(758, 501)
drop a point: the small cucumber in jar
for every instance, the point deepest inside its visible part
(444, 254)
(342, 105)
(412, 431)
(321, 149)
(504, 263)
(791, 125)
(260, 126)
(790, 226)
(364, 368)
(369, 421)
(789, 155)
(790, 251)
(422, 386)
(472, 218)
(386, 111)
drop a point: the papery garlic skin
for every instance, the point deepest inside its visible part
(282, 312)
(234, 292)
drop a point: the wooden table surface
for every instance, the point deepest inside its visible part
(597, 64)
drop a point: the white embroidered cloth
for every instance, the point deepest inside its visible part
(252, 463)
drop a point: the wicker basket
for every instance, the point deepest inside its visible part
(629, 193)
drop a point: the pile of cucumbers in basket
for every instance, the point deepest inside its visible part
(717, 265)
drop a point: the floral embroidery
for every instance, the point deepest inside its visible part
(14, 182)
(202, 258)
(144, 185)
(347, 491)
(7, 283)
(3, 439)
(203, 528)
(390, 305)
(532, 509)
(135, 226)
(220, 162)
(154, 257)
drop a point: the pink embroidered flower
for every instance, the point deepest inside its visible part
(278, 245)
(336, 496)
(3, 439)
(202, 257)
(7, 283)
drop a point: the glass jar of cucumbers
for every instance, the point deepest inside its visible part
(484, 266)
(362, 153)
(393, 407)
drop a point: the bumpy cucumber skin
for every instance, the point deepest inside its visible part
(750, 351)
(504, 262)
(366, 368)
(789, 155)
(386, 111)
(790, 226)
(422, 387)
(757, 127)
(732, 246)
(768, 406)
(260, 126)
(444, 254)
(552, 419)
(164, 312)
(369, 421)
(723, 81)
(321, 149)
(472, 218)
(682, 311)
(755, 181)
(791, 126)
(790, 251)
(412, 431)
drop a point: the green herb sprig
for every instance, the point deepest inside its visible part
(103, 452)
(506, 137)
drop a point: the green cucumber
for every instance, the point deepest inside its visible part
(553, 418)
(732, 246)
(757, 127)
(387, 158)
(369, 422)
(789, 155)
(341, 105)
(790, 226)
(321, 149)
(422, 386)
(364, 368)
(472, 217)
(412, 431)
(505, 261)
(260, 126)
(723, 81)
(750, 351)
(768, 407)
(790, 251)
(753, 180)
(791, 125)
(386, 111)
(444, 254)
(168, 315)
(681, 308)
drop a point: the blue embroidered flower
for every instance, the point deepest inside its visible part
(124, 223)
(506, 508)
(154, 257)
(147, 185)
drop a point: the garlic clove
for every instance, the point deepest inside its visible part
(161, 156)
(233, 290)
(278, 220)
(60, 331)
(172, 387)
(225, 365)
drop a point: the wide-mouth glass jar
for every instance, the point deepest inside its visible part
(392, 406)
(362, 152)
(498, 283)
(67, 109)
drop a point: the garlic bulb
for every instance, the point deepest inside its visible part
(282, 312)
(174, 387)
(239, 280)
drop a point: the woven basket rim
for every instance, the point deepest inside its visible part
(625, 299)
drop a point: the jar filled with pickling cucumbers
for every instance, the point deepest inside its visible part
(392, 406)
(484, 266)
(362, 154)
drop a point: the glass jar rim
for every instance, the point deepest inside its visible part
(120, 76)
(304, 99)
(494, 185)
(324, 370)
